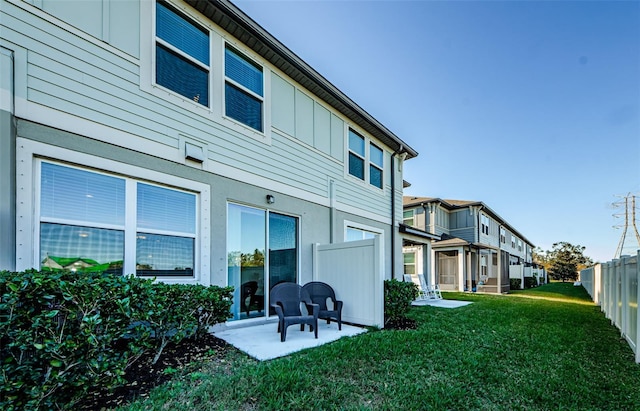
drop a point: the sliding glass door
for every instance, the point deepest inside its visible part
(251, 271)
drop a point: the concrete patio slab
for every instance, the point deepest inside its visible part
(262, 342)
(441, 303)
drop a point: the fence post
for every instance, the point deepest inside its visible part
(638, 308)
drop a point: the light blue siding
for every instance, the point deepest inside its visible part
(115, 22)
(322, 129)
(337, 138)
(74, 75)
(283, 105)
(304, 118)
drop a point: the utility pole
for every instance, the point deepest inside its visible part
(627, 246)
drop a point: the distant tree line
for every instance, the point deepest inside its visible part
(563, 261)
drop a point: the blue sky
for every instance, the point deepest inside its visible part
(532, 107)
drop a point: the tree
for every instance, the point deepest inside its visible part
(541, 258)
(565, 260)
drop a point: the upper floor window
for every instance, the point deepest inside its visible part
(359, 158)
(408, 218)
(244, 89)
(519, 245)
(503, 235)
(356, 155)
(182, 55)
(376, 161)
(484, 224)
(513, 241)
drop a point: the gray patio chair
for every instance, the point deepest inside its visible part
(319, 293)
(286, 299)
(248, 291)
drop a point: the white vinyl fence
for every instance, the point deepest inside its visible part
(354, 271)
(521, 272)
(614, 285)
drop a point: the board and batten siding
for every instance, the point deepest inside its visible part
(95, 83)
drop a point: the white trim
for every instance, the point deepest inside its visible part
(27, 241)
(7, 80)
(362, 227)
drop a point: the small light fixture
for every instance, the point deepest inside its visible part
(270, 199)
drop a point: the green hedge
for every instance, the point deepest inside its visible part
(62, 332)
(398, 296)
(530, 282)
(515, 283)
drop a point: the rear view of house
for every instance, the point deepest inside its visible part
(474, 248)
(180, 140)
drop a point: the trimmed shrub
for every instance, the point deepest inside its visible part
(398, 296)
(530, 282)
(63, 332)
(514, 283)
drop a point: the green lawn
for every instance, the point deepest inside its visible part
(499, 353)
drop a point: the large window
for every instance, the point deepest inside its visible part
(244, 92)
(94, 221)
(367, 165)
(182, 55)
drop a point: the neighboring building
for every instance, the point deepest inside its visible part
(475, 246)
(180, 140)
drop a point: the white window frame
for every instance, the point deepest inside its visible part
(377, 166)
(362, 227)
(484, 221)
(234, 83)
(413, 217)
(176, 50)
(368, 142)
(503, 235)
(415, 261)
(513, 241)
(218, 39)
(29, 155)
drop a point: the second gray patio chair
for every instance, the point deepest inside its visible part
(321, 292)
(286, 300)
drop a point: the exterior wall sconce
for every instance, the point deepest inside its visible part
(270, 199)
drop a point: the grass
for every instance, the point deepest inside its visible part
(499, 353)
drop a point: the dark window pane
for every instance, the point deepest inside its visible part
(243, 107)
(164, 255)
(356, 166)
(182, 33)
(77, 248)
(375, 176)
(182, 76)
(283, 248)
(243, 71)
